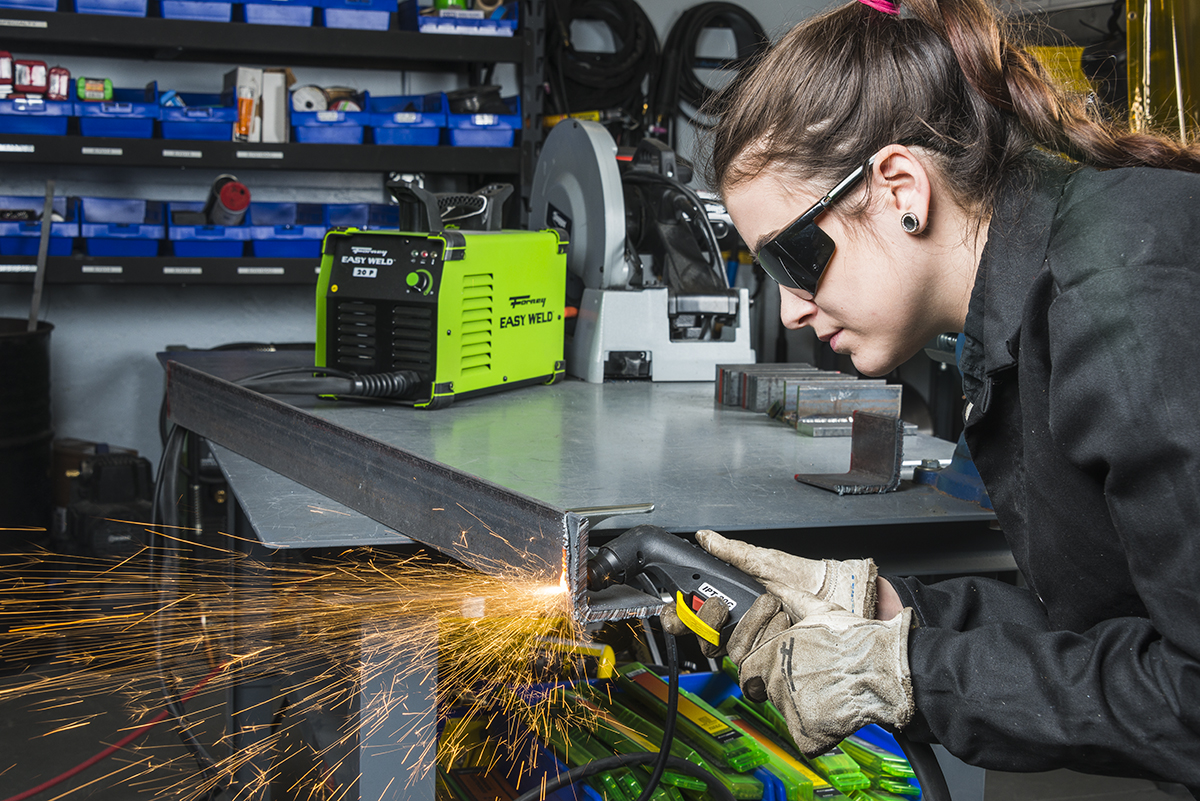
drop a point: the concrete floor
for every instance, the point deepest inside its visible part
(35, 747)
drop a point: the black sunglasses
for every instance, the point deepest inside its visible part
(798, 255)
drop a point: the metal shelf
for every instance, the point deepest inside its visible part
(98, 151)
(157, 38)
(175, 270)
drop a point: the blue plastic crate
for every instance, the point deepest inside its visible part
(120, 226)
(32, 5)
(486, 130)
(501, 22)
(331, 127)
(204, 117)
(286, 230)
(35, 116)
(346, 215)
(383, 215)
(131, 114)
(204, 240)
(370, 15)
(117, 8)
(23, 238)
(296, 13)
(408, 119)
(199, 10)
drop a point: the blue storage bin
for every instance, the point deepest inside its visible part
(204, 240)
(19, 238)
(35, 116)
(120, 226)
(118, 8)
(346, 215)
(383, 215)
(32, 5)
(501, 22)
(286, 230)
(331, 127)
(296, 13)
(131, 113)
(369, 15)
(486, 130)
(408, 119)
(204, 117)
(201, 10)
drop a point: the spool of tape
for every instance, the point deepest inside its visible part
(309, 98)
(488, 6)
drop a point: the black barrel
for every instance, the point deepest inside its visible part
(26, 432)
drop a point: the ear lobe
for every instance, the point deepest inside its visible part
(906, 183)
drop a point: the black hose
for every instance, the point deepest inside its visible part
(926, 767)
(678, 83)
(664, 750)
(587, 81)
(395, 385)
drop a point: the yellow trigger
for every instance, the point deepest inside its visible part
(693, 621)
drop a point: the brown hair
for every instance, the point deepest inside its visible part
(942, 76)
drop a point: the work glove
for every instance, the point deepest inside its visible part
(849, 584)
(830, 672)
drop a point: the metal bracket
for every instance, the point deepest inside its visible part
(876, 453)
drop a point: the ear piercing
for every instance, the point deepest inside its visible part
(909, 222)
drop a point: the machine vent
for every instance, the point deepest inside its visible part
(477, 315)
(357, 336)
(413, 338)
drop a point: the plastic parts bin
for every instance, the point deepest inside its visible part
(35, 116)
(346, 215)
(204, 240)
(199, 10)
(296, 13)
(371, 15)
(331, 127)
(204, 117)
(131, 114)
(119, 8)
(121, 227)
(408, 119)
(33, 5)
(501, 22)
(486, 130)
(286, 230)
(23, 237)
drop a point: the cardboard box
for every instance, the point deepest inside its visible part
(275, 83)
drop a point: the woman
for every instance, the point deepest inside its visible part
(891, 169)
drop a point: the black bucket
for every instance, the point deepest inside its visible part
(26, 433)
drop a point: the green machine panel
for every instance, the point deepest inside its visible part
(469, 311)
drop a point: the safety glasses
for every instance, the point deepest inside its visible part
(798, 255)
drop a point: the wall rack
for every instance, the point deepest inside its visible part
(170, 270)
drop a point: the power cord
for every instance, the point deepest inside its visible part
(397, 385)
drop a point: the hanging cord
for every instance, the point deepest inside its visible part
(587, 81)
(678, 83)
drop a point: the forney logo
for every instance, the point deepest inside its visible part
(526, 300)
(357, 251)
(709, 591)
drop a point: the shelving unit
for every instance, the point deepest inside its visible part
(154, 38)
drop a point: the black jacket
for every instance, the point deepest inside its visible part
(1081, 368)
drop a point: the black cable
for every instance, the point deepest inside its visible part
(926, 767)
(664, 750)
(699, 217)
(395, 385)
(588, 81)
(678, 83)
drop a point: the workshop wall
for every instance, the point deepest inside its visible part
(107, 384)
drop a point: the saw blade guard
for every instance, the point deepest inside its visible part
(577, 187)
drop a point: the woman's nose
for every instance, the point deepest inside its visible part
(796, 312)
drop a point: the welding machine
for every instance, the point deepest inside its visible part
(469, 312)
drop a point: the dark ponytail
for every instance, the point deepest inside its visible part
(943, 76)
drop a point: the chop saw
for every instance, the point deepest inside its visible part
(653, 296)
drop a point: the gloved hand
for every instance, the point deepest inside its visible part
(715, 614)
(830, 673)
(849, 584)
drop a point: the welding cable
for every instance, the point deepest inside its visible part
(395, 385)
(927, 770)
(589, 81)
(678, 83)
(115, 747)
(662, 760)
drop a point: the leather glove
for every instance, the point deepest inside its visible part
(830, 673)
(849, 584)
